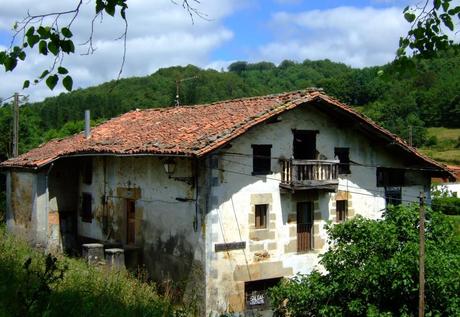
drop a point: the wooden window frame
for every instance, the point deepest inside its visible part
(342, 211)
(261, 215)
(261, 162)
(343, 154)
(308, 226)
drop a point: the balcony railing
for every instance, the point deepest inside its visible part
(309, 174)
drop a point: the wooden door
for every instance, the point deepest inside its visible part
(130, 221)
(304, 226)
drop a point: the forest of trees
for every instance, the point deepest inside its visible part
(420, 97)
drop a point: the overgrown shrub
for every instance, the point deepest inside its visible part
(372, 270)
(447, 205)
(34, 284)
(2, 206)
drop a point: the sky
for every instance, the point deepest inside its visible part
(358, 33)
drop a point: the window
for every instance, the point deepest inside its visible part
(86, 212)
(390, 177)
(88, 172)
(393, 195)
(341, 209)
(261, 159)
(256, 293)
(304, 226)
(261, 216)
(343, 154)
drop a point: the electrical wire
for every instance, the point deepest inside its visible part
(352, 163)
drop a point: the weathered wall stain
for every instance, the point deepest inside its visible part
(22, 198)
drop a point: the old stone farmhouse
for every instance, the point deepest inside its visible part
(226, 198)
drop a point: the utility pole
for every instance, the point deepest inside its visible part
(15, 125)
(410, 135)
(178, 82)
(421, 294)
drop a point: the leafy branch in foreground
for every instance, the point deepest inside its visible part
(429, 24)
(43, 33)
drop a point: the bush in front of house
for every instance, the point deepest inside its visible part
(448, 205)
(35, 284)
(372, 270)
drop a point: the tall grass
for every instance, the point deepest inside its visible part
(82, 290)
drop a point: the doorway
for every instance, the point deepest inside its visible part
(304, 144)
(130, 221)
(304, 226)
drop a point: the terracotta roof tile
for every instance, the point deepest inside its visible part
(187, 130)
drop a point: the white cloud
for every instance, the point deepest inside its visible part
(160, 34)
(355, 36)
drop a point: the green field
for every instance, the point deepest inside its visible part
(445, 147)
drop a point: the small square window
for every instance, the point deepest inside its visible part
(261, 216)
(256, 293)
(341, 210)
(261, 159)
(86, 208)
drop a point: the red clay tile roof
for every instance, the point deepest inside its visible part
(188, 130)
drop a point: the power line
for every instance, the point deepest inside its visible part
(350, 191)
(353, 163)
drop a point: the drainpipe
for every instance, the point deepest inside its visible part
(87, 125)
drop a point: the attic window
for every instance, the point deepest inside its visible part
(86, 212)
(343, 154)
(261, 159)
(390, 177)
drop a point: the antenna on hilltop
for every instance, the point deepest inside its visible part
(178, 82)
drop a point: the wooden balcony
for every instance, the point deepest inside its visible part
(309, 174)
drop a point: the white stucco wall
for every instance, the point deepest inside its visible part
(167, 228)
(27, 200)
(235, 191)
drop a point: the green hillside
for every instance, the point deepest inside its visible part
(427, 96)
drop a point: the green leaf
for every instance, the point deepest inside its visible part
(51, 81)
(110, 9)
(445, 6)
(437, 4)
(30, 31)
(45, 72)
(67, 82)
(33, 39)
(22, 55)
(62, 70)
(67, 46)
(26, 84)
(10, 63)
(410, 17)
(53, 48)
(44, 32)
(42, 48)
(99, 6)
(447, 20)
(66, 32)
